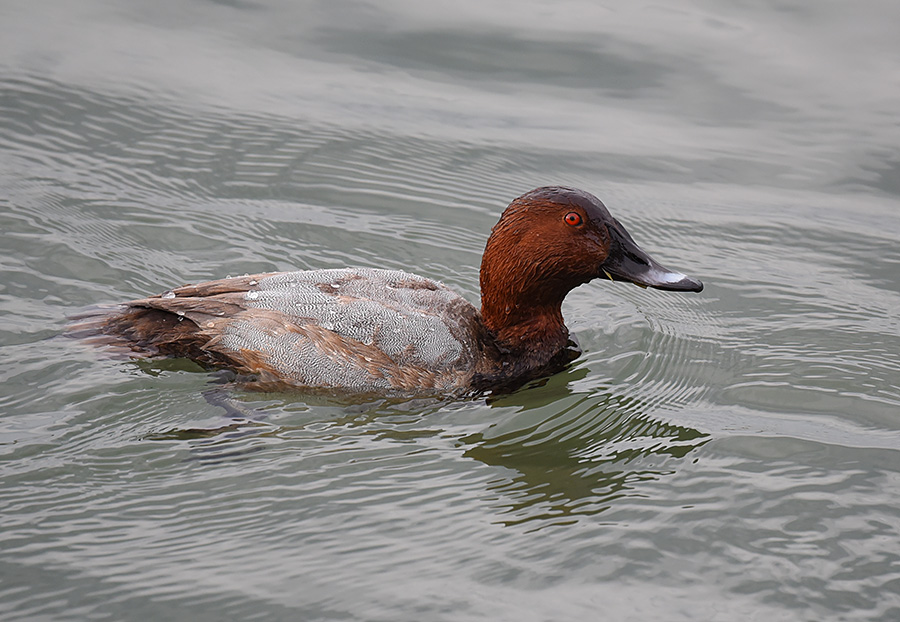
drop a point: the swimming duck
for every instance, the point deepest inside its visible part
(367, 330)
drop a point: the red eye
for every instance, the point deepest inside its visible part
(573, 219)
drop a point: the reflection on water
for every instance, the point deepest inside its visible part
(575, 456)
(564, 455)
(733, 455)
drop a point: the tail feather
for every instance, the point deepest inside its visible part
(141, 332)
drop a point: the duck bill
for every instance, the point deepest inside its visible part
(628, 262)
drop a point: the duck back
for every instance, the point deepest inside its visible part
(359, 329)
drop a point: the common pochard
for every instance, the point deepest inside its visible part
(366, 330)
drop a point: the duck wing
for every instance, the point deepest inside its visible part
(356, 328)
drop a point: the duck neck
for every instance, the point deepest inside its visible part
(526, 326)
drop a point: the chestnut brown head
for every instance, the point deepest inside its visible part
(549, 241)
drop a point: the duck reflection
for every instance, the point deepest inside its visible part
(573, 454)
(559, 454)
(326, 417)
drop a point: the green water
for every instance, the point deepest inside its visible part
(732, 455)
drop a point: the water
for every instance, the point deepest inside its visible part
(732, 455)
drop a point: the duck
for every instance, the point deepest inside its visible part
(389, 332)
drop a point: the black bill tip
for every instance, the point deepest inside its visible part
(628, 262)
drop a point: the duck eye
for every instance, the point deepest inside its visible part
(573, 219)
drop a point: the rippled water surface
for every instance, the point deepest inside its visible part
(731, 455)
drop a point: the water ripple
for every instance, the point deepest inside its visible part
(727, 455)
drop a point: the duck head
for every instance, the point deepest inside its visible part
(547, 242)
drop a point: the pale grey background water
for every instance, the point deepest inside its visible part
(733, 455)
